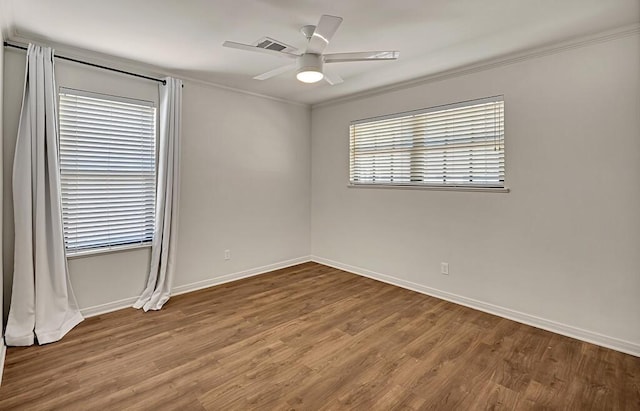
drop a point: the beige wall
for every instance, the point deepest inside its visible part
(245, 184)
(561, 246)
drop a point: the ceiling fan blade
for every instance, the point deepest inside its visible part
(275, 72)
(248, 47)
(361, 56)
(325, 30)
(331, 77)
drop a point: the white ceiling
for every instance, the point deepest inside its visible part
(185, 37)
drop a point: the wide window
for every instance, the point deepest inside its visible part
(457, 145)
(107, 171)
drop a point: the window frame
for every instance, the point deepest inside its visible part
(417, 184)
(109, 248)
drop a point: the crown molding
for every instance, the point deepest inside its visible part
(504, 60)
(6, 19)
(125, 64)
(241, 91)
(15, 36)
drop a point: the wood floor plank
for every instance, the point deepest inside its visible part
(311, 337)
(491, 396)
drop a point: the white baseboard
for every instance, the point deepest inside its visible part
(3, 354)
(108, 307)
(186, 288)
(549, 325)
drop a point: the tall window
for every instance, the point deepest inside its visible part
(107, 171)
(457, 145)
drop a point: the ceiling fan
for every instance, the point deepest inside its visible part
(310, 64)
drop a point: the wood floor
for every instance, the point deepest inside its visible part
(312, 337)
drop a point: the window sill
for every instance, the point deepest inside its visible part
(435, 188)
(106, 250)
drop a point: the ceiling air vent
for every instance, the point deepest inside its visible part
(271, 44)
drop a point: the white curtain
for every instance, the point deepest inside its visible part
(163, 251)
(42, 301)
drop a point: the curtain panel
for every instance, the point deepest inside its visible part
(163, 251)
(43, 305)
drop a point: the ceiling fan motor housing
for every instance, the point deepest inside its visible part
(310, 62)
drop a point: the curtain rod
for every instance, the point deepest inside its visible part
(15, 46)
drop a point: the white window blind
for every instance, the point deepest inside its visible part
(107, 170)
(457, 145)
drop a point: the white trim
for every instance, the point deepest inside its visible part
(592, 337)
(3, 354)
(504, 60)
(106, 250)
(108, 307)
(187, 288)
(516, 57)
(102, 96)
(479, 189)
(6, 19)
(131, 65)
(241, 91)
(428, 110)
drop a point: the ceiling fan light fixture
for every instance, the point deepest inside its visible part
(309, 76)
(309, 64)
(310, 68)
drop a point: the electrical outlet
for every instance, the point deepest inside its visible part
(444, 268)
(227, 254)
